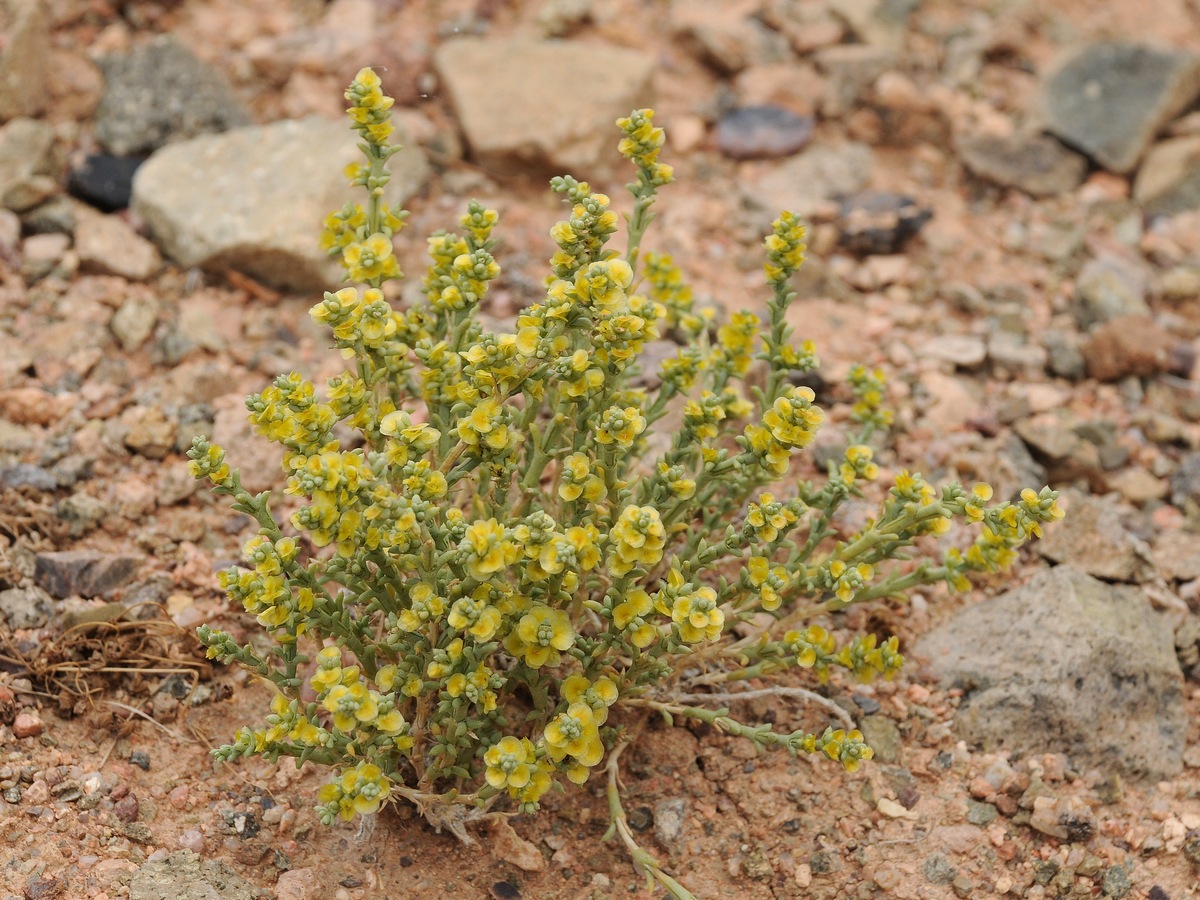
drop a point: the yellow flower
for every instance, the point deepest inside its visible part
(697, 616)
(620, 426)
(351, 705)
(385, 677)
(575, 733)
(769, 580)
(476, 617)
(629, 615)
(511, 763)
(329, 669)
(638, 537)
(540, 636)
(371, 259)
(599, 694)
(578, 479)
(488, 549)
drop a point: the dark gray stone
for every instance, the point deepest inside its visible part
(82, 573)
(1116, 883)
(1067, 664)
(1185, 483)
(762, 132)
(105, 181)
(1111, 98)
(1034, 163)
(1063, 356)
(981, 814)
(27, 475)
(55, 216)
(158, 93)
(937, 869)
(82, 513)
(879, 222)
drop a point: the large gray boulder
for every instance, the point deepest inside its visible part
(157, 93)
(254, 198)
(1067, 664)
(545, 105)
(1110, 99)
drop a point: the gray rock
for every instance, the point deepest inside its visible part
(25, 607)
(27, 475)
(1185, 483)
(806, 181)
(725, 35)
(1116, 883)
(963, 350)
(851, 70)
(1064, 357)
(762, 132)
(1015, 352)
(981, 814)
(55, 216)
(1107, 287)
(226, 200)
(881, 22)
(1111, 98)
(937, 869)
(670, 816)
(1034, 163)
(1092, 539)
(185, 876)
(1055, 443)
(1168, 182)
(530, 104)
(883, 736)
(26, 164)
(82, 573)
(82, 513)
(1066, 664)
(24, 57)
(159, 92)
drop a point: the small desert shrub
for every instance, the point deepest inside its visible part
(505, 582)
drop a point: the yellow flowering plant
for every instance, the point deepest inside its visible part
(504, 584)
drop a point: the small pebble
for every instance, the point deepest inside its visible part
(28, 724)
(127, 808)
(179, 796)
(141, 759)
(192, 840)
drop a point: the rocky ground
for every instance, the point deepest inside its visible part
(1005, 209)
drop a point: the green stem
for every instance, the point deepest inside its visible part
(643, 862)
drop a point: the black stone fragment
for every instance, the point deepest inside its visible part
(878, 222)
(105, 181)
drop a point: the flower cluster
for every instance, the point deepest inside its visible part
(496, 582)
